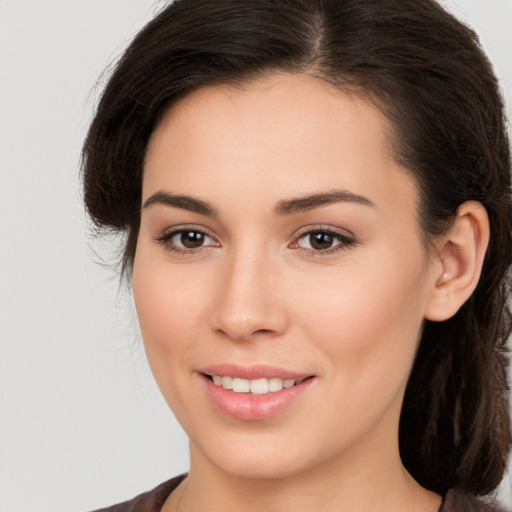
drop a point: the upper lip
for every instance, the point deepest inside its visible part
(257, 371)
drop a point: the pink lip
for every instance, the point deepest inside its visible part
(244, 406)
(252, 372)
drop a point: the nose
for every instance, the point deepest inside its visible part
(248, 304)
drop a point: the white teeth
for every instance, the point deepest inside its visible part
(241, 385)
(275, 384)
(259, 386)
(255, 386)
(227, 382)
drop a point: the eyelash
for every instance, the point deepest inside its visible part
(345, 242)
(166, 238)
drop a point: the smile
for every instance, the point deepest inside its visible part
(261, 386)
(254, 393)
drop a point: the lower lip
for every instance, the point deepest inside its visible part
(244, 406)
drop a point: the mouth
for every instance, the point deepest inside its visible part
(260, 386)
(256, 393)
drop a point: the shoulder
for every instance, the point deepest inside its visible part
(150, 501)
(460, 501)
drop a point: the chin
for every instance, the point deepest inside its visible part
(256, 459)
(261, 469)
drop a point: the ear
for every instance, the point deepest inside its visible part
(460, 256)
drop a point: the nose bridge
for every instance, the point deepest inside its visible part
(246, 302)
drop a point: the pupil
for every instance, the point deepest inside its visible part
(321, 240)
(192, 239)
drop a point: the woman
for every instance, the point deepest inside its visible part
(316, 201)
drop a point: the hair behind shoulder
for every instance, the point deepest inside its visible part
(426, 72)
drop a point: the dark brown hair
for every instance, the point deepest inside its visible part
(427, 73)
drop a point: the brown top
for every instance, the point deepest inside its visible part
(153, 501)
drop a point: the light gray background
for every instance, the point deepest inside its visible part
(82, 424)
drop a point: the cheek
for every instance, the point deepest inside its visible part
(167, 295)
(169, 311)
(367, 318)
(367, 329)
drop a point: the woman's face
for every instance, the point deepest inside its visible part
(279, 244)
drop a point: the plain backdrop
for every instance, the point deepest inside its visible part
(82, 424)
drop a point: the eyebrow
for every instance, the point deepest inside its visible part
(284, 207)
(310, 202)
(181, 201)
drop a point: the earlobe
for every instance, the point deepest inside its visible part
(460, 257)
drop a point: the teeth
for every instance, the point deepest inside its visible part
(259, 386)
(275, 384)
(255, 386)
(227, 382)
(241, 385)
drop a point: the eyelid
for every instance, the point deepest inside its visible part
(343, 232)
(165, 238)
(346, 238)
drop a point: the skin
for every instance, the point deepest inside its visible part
(256, 292)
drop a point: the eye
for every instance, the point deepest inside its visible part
(186, 240)
(323, 241)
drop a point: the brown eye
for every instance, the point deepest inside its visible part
(184, 240)
(192, 239)
(323, 241)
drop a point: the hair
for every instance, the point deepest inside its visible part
(426, 71)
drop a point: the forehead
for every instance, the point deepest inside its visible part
(286, 134)
(279, 101)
